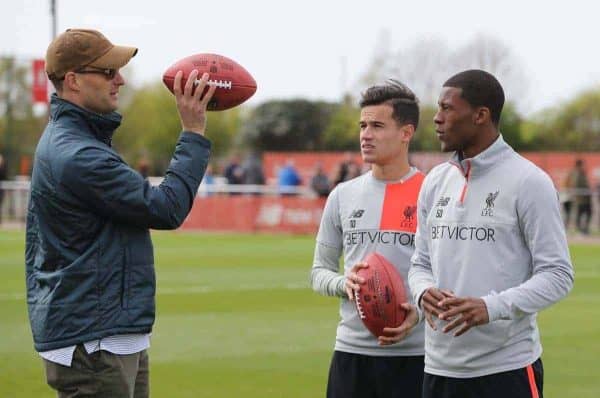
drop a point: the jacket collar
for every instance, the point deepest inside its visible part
(101, 126)
(485, 160)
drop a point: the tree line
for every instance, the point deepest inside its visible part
(150, 120)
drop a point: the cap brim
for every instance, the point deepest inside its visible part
(117, 57)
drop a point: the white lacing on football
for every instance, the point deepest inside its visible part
(378, 284)
(359, 306)
(226, 84)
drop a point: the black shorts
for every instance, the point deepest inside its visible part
(526, 382)
(355, 375)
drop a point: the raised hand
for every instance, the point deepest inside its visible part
(191, 105)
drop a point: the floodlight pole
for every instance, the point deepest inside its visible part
(53, 15)
(8, 141)
(53, 33)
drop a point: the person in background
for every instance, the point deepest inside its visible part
(3, 177)
(319, 182)
(209, 178)
(208, 181)
(234, 172)
(582, 196)
(566, 198)
(288, 179)
(354, 170)
(345, 168)
(253, 170)
(143, 168)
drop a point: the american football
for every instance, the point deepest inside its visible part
(234, 84)
(379, 298)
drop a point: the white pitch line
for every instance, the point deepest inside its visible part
(587, 275)
(190, 290)
(11, 296)
(239, 288)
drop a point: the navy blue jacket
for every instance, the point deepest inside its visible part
(89, 257)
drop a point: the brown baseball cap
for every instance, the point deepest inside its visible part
(78, 48)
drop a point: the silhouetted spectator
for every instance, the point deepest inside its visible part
(598, 200)
(234, 173)
(208, 180)
(354, 171)
(288, 178)
(2, 178)
(253, 171)
(566, 197)
(320, 182)
(583, 197)
(143, 168)
(344, 169)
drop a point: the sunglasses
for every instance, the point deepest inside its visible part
(108, 73)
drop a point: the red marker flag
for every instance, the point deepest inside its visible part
(39, 85)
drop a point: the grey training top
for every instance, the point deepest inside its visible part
(361, 216)
(490, 227)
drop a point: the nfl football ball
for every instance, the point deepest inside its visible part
(234, 84)
(379, 298)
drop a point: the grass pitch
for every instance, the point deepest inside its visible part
(235, 317)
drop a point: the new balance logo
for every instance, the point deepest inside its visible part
(357, 213)
(443, 201)
(354, 215)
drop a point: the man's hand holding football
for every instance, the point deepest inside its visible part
(353, 281)
(394, 335)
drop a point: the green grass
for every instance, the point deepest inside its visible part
(236, 317)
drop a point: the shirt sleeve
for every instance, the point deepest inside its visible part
(543, 232)
(325, 277)
(420, 276)
(102, 180)
(330, 228)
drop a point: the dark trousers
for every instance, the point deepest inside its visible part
(100, 375)
(567, 205)
(520, 383)
(363, 376)
(584, 214)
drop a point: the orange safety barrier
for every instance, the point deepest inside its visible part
(252, 213)
(556, 164)
(296, 214)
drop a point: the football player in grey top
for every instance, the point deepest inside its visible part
(490, 252)
(374, 212)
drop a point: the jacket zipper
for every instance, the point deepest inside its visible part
(465, 174)
(464, 190)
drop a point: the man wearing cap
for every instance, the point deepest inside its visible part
(89, 257)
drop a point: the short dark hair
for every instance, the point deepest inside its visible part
(480, 88)
(58, 84)
(403, 101)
